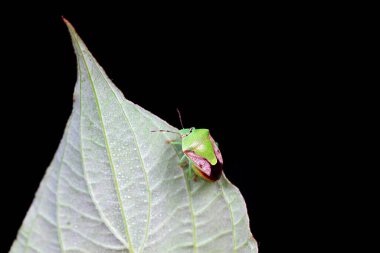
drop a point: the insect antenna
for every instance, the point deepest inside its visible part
(165, 131)
(180, 118)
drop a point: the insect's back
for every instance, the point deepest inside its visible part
(199, 142)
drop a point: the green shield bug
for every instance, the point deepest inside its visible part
(200, 151)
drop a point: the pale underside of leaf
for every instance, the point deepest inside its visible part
(114, 186)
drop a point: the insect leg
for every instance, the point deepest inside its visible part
(189, 170)
(182, 161)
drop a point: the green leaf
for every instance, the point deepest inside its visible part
(114, 186)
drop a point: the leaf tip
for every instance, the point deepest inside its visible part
(67, 23)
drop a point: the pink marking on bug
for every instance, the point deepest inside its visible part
(200, 162)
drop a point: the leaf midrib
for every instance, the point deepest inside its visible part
(141, 248)
(108, 150)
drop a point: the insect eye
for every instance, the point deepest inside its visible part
(185, 135)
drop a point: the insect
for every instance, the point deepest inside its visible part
(200, 151)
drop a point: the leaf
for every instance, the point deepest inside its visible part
(114, 186)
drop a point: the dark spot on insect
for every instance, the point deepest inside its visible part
(68, 223)
(201, 166)
(216, 171)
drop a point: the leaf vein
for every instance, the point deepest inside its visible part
(141, 161)
(77, 47)
(109, 154)
(231, 215)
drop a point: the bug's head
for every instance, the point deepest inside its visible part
(185, 131)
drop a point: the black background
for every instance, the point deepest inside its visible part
(250, 75)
